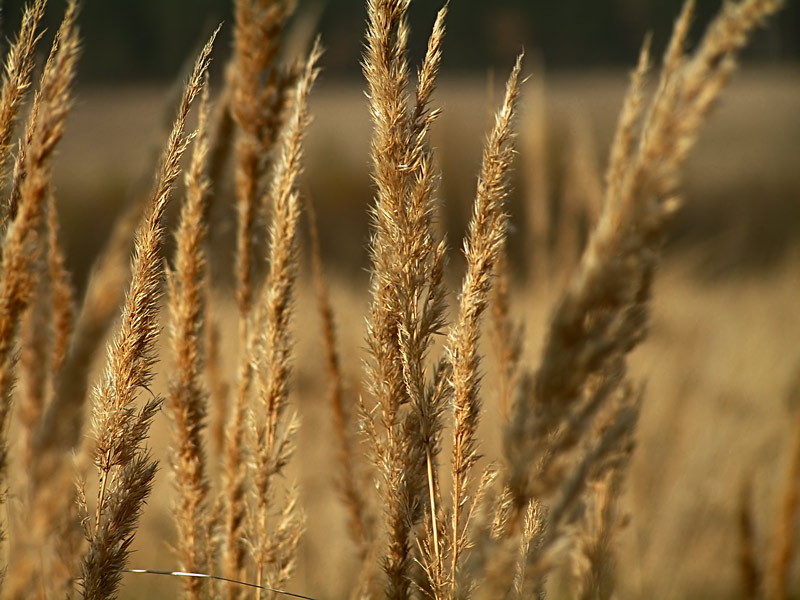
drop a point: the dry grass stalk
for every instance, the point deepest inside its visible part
(33, 366)
(749, 571)
(187, 398)
(507, 337)
(421, 319)
(407, 288)
(783, 542)
(608, 450)
(63, 423)
(275, 549)
(234, 486)
(494, 547)
(257, 102)
(125, 467)
(43, 132)
(46, 330)
(570, 434)
(534, 522)
(61, 293)
(216, 382)
(16, 81)
(46, 550)
(482, 247)
(220, 149)
(349, 480)
(109, 278)
(257, 41)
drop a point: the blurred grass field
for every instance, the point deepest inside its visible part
(719, 366)
(741, 183)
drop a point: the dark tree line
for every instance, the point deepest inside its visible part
(149, 39)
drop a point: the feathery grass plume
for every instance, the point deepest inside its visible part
(187, 398)
(523, 585)
(256, 111)
(16, 81)
(593, 557)
(46, 329)
(421, 298)
(62, 298)
(44, 554)
(220, 145)
(494, 547)
(626, 134)
(406, 288)
(607, 451)
(17, 264)
(348, 480)
(275, 550)
(257, 102)
(482, 247)
(602, 315)
(30, 398)
(125, 467)
(62, 427)
(33, 364)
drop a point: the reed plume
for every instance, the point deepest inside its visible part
(18, 262)
(187, 399)
(257, 101)
(603, 313)
(407, 286)
(256, 111)
(274, 549)
(482, 248)
(16, 81)
(125, 467)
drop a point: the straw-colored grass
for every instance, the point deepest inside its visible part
(427, 515)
